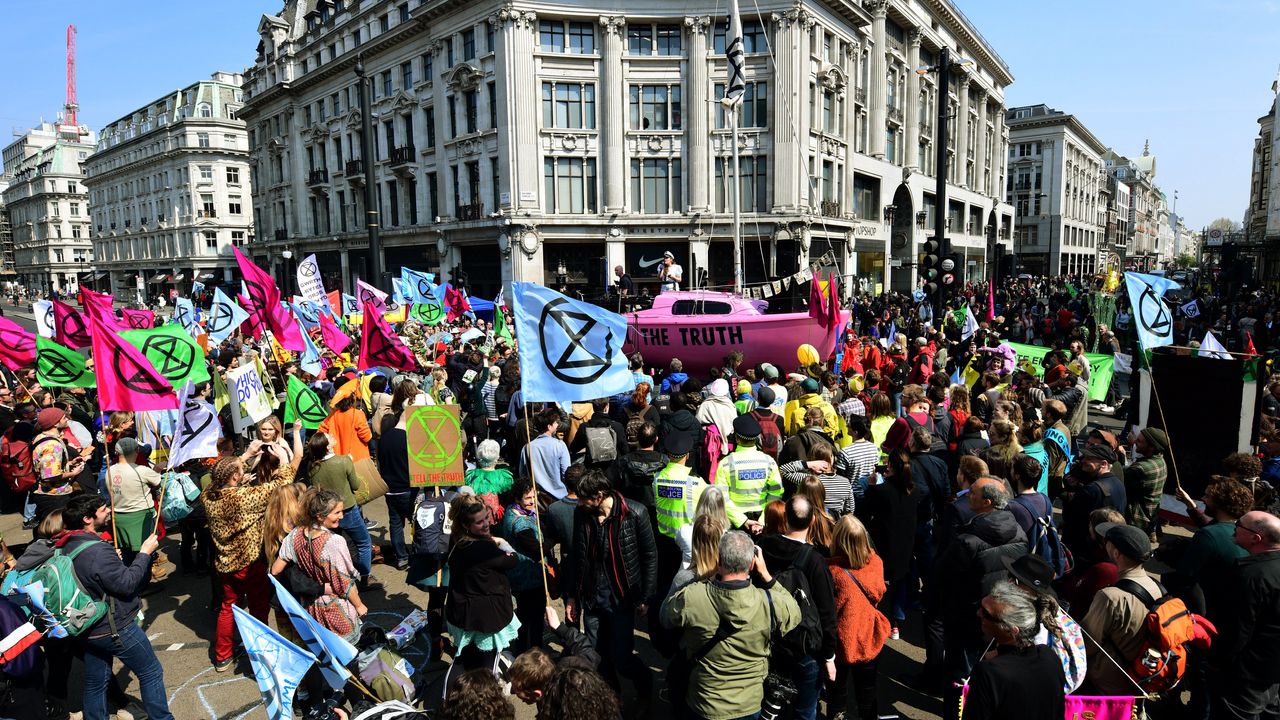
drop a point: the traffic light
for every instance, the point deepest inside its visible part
(931, 266)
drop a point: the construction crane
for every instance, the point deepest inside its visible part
(70, 125)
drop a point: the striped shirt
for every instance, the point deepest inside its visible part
(839, 492)
(860, 459)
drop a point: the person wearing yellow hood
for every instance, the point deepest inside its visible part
(811, 395)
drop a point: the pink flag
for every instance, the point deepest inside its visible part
(366, 293)
(817, 302)
(379, 346)
(456, 302)
(17, 346)
(102, 302)
(70, 328)
(253, 325)
(126, 378)
(834, 317)
(333, 338)
(991, 301)
(266, 299)
(139, 319)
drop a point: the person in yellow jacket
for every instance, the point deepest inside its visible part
(675, 497)
(811, 395)
(749, 476)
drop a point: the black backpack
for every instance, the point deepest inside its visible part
(662, 401)
(807, 636)
(937, 441)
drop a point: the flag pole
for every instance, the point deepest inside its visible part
(537, 510)
(111, 497)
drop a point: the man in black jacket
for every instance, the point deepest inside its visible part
(966, 571)
(1098, 488)
(1247, 652)
(600, 420)
(116, 634)
(614, 573)
(792, 550)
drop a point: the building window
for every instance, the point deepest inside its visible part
(204, 110)
(342, 210)
(75, 231)
(75, 209)
(233, 205)
(664, 40)
(471, 104)
(655, 107)
(433, 197)
(490, 40)
(233, 176)
(403, 10)
(384, 22)
(428, 66)
(866, 197)
(453, 117)
(568, 105)
(202, 140)
(406, 75)
(469, 44)
(431, 127)
(493, 106)
(448, 52)
(753, 37)
(655, 186)
(753, 190)
(206, 206)
(560, 36)
(206, 173)
(570, 185)
(394, 198)
(387, 86)
(755, 106)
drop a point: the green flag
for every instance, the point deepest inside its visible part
(1102, 367)
(303, 404)
(1071, 289)
(172, 352)
(500, 328)
(60, 366)
(428, 313)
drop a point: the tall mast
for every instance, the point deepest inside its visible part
(72, 106)
(736, 88)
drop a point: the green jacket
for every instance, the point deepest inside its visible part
(338, 474)
(729, 681)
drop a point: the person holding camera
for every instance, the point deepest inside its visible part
(728, 623)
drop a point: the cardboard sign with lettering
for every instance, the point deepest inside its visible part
(436, 443)
(250, 402)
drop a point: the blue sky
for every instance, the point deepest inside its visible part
(1191, 76)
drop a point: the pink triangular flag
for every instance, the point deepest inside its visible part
(126, 379)
(379, 346)
(266, 299)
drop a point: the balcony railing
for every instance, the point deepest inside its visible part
(895, 114)
(318, 177)
(402, 155)
(830, 208)
(355, 167)
(207, 213)
(471, 212)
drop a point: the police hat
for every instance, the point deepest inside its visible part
(677, 444)
(746, 427)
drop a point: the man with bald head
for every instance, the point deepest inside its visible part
(966, 570)
(1246, 655)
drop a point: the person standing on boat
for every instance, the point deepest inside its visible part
(623, 284)
(670, 275)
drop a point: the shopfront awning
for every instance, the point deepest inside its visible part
(160, 277)
(177, 278)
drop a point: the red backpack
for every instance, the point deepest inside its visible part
(1170, 630)
(709, 453)
(770, 433)
(16, 466)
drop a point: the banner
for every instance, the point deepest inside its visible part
(71, 328)
(198, 429)
(46, 322)
(379, 346)
(59, 366)
(1191, 309)
(419, 286)
(225, 317)
(17, 345)
(332, 652)
(580, 356)
(970, 324)
(430, 313)
(266, 299)
(102, 304)
(1150, 315)
(1102, 367)
(310, 282)
(172, 352)
(435, 441)
(139, 319)
(303, 404)
(278, 664)
(249, 401)
(252, 325)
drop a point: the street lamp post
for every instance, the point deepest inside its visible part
(366, 160)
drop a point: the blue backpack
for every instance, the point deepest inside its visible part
(1044, 540)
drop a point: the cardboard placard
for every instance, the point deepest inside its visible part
(436, 442)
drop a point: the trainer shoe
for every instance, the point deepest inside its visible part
(224, 665)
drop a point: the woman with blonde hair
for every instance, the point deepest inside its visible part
(1004, 447)
(271, 439)
(857, 575)
(710, 503)
(284, 512)
(705, 533)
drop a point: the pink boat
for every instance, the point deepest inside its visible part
(701, 327)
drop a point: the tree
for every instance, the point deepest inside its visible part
(1185, 261)
(1226, 225)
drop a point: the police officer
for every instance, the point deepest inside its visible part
(750, 477)
(675, 496)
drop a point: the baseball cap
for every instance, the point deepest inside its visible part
(1132, 542)
(810, 385)
(1099, 452)
(769, 371)
(765, 396)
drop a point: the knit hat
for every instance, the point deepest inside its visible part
(48, 418)
(765, 396)
(1055, 374)
(1158, 438)
(719, 388)
(810, 385)
(770, 371)
(744, 387)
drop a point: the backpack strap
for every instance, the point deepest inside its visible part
(723, 631)
(1139, 592)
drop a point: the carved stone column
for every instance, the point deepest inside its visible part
(697, 109)
(962, 131)
(911, 158)
(613, 94)
(980, 183)
(791, 109)
(518, 145)
(877, 95)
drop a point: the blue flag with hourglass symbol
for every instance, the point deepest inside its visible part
(579, 356)
(1151, 316)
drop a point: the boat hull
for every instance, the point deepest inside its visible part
(702, 341)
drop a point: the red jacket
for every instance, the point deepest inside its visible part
(861, 629)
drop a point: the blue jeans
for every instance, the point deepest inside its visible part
(353, 526)
(805, 676)
(134, 651)
(399, 510)
(28, 508)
